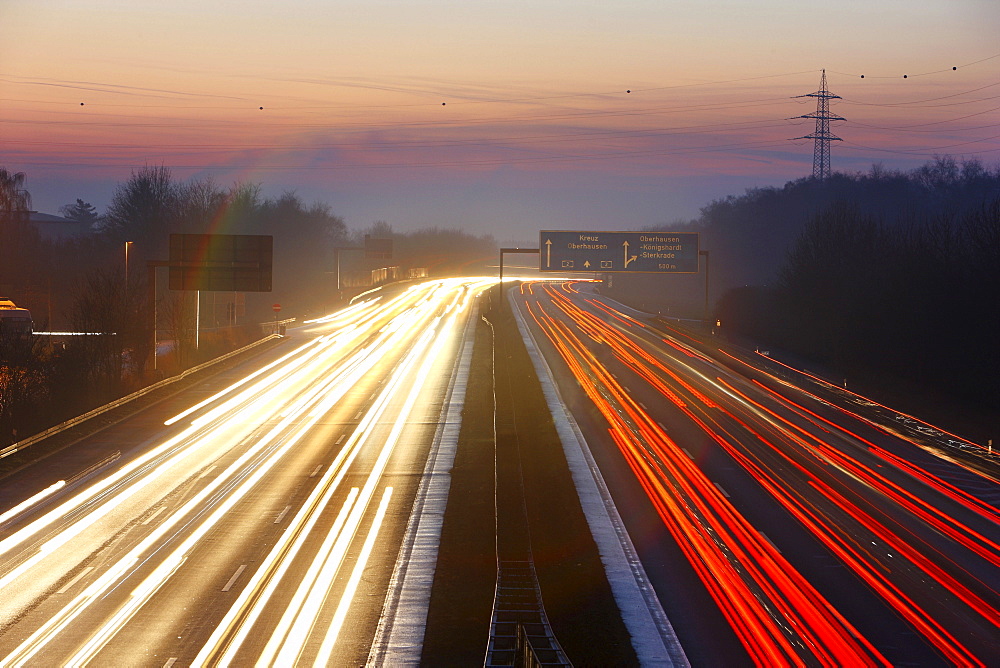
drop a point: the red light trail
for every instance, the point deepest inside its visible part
(899, 543)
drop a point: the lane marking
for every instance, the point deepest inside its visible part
(340, 440)
(170, 662)
(719, 487)
(660, 425)
(688, 453)
(153, 516)
(358, 416)
(315, 470)
(72, 582)
(643, 406)
(281, 515)
(232, 580)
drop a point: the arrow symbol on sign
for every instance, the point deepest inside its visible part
(548, 252)
(628, 260)
(587, 264)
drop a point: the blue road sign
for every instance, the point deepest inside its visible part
(618, 252)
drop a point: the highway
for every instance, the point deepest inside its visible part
(274, 515)
(781, 520)
(257, 522)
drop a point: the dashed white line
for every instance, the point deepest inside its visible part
(171, 661)
(340, 440)
(643, 406)
(719, 487)
(72, 582)
(281, 515)
(660, 425)
(358, 416)
(236, 575)
(688, 453)
(315, 470)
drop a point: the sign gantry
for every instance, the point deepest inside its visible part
(618, 252)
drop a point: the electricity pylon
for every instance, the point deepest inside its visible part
(822, 136)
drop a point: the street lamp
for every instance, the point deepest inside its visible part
(127, 244)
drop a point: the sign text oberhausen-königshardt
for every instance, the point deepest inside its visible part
(612, 252)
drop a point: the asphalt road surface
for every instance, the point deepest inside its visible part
(256, 519)
(781, 520)
(288, 510)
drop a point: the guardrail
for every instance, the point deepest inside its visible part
(276, 326)
(72, 422)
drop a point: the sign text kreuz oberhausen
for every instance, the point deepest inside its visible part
(617, 252)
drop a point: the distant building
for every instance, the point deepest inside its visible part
(58, 228)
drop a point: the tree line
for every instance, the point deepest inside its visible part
(884, 272)
(920, 301)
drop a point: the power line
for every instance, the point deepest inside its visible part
(922, 74)
(930, 99)
(595, 135)
(439, 163)
(916, 152)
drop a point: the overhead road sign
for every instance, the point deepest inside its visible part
(618, 252)
(221, 262)
(378, 249)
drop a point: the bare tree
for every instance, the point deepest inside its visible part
(175, 315)
(15, 201)
(22, 394)
(19, 242)
(144, 210)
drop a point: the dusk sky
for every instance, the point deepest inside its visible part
(502, 117)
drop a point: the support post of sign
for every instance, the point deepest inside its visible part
(276, 308)
(336, 260)
(197, 319)
(151, 266)
(513, 250)
(151, 287)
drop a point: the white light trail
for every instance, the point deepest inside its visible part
(32, 500)
(330, 637)
(288, 397)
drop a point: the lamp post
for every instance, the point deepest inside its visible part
(705, 253)
(127, 244)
